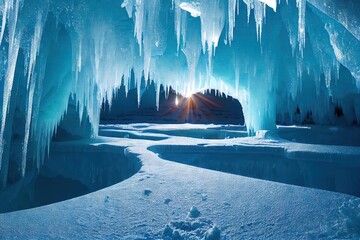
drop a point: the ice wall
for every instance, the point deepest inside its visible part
(288, 61)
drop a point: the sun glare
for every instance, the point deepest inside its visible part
(189, 94)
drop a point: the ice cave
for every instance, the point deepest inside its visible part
(180, 119)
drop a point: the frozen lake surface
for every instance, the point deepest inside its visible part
(186, 199)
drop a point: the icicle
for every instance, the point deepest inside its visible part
(35, 46)
(157, 96)
(259, 18)
(212, 24)
(301, 4)
(138, 90)
(147, 29)
(139, 19)
(249, 5)
(9, 80)
(183, 28)
(192, 52)
(231, 19)
(14, 46)
(327, 74)
(27, 128)
(5, 11)
(177, 10)
(79, 61)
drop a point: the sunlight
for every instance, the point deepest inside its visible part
(189, 93)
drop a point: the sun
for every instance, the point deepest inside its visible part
(189, 93)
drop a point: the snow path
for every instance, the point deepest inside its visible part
(165, 200)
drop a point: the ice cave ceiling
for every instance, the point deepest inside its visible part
(274, 56)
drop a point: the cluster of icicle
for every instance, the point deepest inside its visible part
(53, 50)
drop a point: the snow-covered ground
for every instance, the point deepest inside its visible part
(172, 200)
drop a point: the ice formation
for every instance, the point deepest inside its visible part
(284, 61)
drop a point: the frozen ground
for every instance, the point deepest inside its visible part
(171, 200)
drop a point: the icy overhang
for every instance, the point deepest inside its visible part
(296, 63)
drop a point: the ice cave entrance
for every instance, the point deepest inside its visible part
(160, 105)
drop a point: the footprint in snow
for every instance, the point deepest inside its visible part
(203, 197)
(194, 212)
(227, 204)
(147, 192)
(192, 228)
